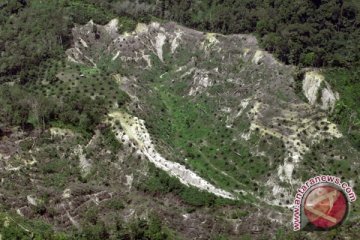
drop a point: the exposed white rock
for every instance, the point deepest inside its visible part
(72, 59)
(328, 98)
(62, 132)
(175, 42)
(155, 25)
(211, 38)
(258, 56)
(136, 130)
(160, 41)
(186, 216)
(141, 28)
(116, 56)
(210, 42)
(66, 193)
(147, 58)
(83, 42)
(294, 145)
(244, 103)
(246, 136)
(32, 200)
(129, 180)
(200, 81)
(84, 163)
(18, 211)
(288, 169)
(312, 88)
(112, 26)
(311, 85)
(190, 71)
(226, 109)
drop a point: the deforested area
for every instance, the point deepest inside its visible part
(174, 119)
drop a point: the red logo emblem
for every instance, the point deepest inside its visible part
(325, 207)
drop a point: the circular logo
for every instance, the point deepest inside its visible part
(325, 206)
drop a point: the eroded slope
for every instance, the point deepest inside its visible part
(218, 104)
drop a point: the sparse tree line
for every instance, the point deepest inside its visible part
(28, 110)
(95, 229)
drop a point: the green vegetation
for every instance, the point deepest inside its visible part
(74, 110)
(195, 131)
(82, 11)
(39, 32)
(160, 183)
(19, 107)
(308, 33)
(39, 90)
(33, 42)
(347, 111)
(14, 227)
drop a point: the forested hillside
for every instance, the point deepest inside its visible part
(74, 87)
(307, 33)
(310, 33)
(35, 34)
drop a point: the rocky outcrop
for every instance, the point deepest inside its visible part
(328, 98)
(318, 91)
